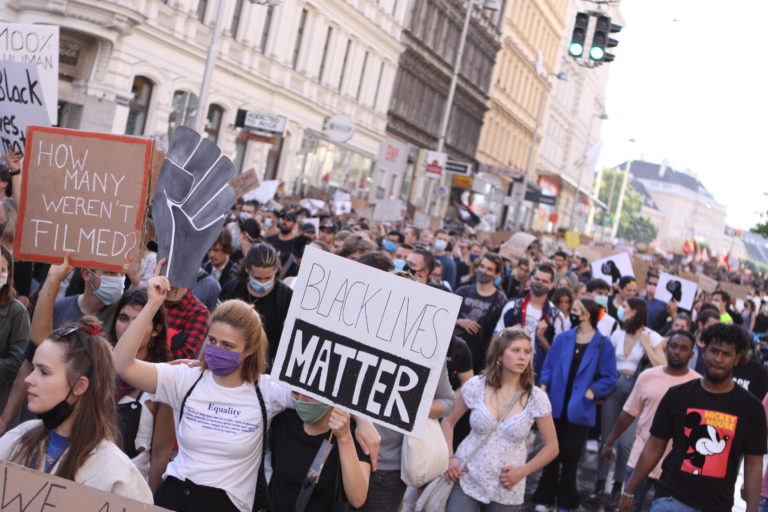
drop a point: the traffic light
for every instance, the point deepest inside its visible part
(601, 40)
(576, 48)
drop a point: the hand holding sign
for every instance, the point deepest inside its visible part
(190, 202)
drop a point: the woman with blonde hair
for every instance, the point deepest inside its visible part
(490, 464)
(221, 409)
(71, 389)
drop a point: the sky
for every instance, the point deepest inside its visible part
(690, 85)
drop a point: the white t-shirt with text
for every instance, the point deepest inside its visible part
(220, 436)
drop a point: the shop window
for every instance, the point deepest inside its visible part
(141, 95)
(213, 122)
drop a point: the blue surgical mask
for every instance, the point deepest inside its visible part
(399, 264)
(473, 257)
(389, 245)
(620, 314)
(497, 281)
(602, 300)
(245, 215)
(440, 245)
(260, 287)
(110, 290)
(268, 222)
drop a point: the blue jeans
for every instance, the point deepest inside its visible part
(610, 412)
(460, 502)
(669, 504)
(642, 490)
(763, 504)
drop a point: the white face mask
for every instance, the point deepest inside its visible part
(3, 279)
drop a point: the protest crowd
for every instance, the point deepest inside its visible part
(164, 390)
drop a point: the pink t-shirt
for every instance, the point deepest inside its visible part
(650, 388)
(764, 490)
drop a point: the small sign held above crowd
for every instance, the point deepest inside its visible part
(83, 193)
(676, 288)
(613, 268)
(365, 340)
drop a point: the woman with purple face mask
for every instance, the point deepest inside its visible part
(217, 407)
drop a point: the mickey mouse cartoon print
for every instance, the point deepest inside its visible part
(710, 435)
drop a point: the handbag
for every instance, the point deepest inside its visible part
(423, 460)
(435, 496)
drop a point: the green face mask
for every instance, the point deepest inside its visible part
(310, 412)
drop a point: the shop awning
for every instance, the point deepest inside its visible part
(582, 190)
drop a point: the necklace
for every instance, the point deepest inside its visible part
(504, 403)
(584, 337)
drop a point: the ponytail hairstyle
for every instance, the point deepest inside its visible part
(241, 316)
(86, 354)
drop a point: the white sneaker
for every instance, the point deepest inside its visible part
(592, 446)
(542, 508)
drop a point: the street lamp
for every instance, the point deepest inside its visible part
(562, 75)
(602, 117)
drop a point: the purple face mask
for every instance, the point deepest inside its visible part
(222, 362)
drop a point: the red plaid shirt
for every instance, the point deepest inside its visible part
(190, 318)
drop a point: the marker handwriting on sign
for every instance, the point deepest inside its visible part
(383, 313)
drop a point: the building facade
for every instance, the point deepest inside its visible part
(571, 141)
(431, 42)
(532, 33)
(136, 66)
(689, 210)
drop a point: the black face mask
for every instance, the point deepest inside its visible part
(575, 320)
(56, 416)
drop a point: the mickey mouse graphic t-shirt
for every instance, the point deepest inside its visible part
(710, 432)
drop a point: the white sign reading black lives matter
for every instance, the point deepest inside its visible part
(371, 342)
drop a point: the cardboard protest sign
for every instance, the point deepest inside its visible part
(681, 290)
(244, 182)
(641, 268)
(612, 268)
(38, 491)
(366, 340)
(84, 193)
(706, 283)
(499, 237)
(189, 206)
(388, 210)
(518, 244)
(35, 44)
(21, 105)
(421, 220)
(572, 239)
(263, 193)
(736, 291)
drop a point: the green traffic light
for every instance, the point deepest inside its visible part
(597, 53)
(576, 49)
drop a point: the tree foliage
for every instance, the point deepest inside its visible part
(632, 225)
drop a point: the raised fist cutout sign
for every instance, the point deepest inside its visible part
(190, 203)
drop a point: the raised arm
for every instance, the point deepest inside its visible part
(141, 374)
(355, 474)
(42, 319)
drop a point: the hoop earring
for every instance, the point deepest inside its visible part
(498, 363)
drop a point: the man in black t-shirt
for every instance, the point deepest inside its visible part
(712, 423)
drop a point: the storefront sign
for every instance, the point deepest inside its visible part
(537, 197)
(434, 163)
(455, 167)
(39, 45)
(339, 128)
(462, 181)
(393, 155)
(365, 340)
(86, 194)
(506, 172)
(260, 121)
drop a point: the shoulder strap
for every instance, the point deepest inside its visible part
(184, 401)
(263, 424)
